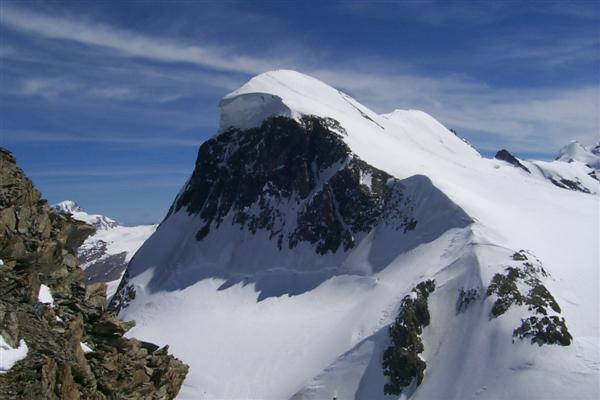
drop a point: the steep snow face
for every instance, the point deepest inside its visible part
(105, 254)
(316, 325)
(262, 210)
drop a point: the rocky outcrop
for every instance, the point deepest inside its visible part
(76, 347)
(505, 155)
(260, 176)
(564, 183)
(521, 285)
(401, 361)
(104, 255)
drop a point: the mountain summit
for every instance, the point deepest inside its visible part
(575, 151)
(320, 250)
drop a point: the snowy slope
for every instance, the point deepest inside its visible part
(575, 151)
(105, 254)
(257, 321)
(570, 175)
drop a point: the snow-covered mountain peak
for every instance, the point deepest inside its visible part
(380, 140)
(67, 206)
(98, 221)
(575, 151)
(291, 94)
(307, 212)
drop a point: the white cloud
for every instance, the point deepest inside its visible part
(532, 120)
(131, 43)
(113, 171)
(15, 136)
(526, 119)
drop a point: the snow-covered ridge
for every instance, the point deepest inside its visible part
(474, 217)
(575, 151)
(377, 139)
(565, 173)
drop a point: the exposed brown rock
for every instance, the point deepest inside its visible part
(37, 247)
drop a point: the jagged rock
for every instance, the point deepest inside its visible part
(303, 165)
(36, 246)
(505, 155)
(401, 362)
(569, 184)
(544, 330)
(95, 294)
(508, 288)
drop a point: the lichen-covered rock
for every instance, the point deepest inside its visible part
(401, 362)
(36, 247)
(521, 285)
(544, 330)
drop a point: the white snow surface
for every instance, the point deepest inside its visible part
(327, 339)
(9, 356)
(120, 239)
(575, 151)
(575, 171)
(85, 348)
(45, 296)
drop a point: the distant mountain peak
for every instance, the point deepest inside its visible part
(575, 151)
(67, 206)
(96, 220)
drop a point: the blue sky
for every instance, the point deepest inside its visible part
(106, 103)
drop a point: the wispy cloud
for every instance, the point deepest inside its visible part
(432, 12)
(439, 12)
(133, 44)
(525, 119)
(534, 48)
(111, 172)
(540, 120)
(57, 137)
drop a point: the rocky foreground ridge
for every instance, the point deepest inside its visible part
(75, 346)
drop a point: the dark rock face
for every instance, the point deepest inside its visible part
(100, 267)
(401, 361)
(259, 176)
(466, 298)
(541, 327)
(106, 269)
(569, 184)
(505, 155)
(37, 247)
